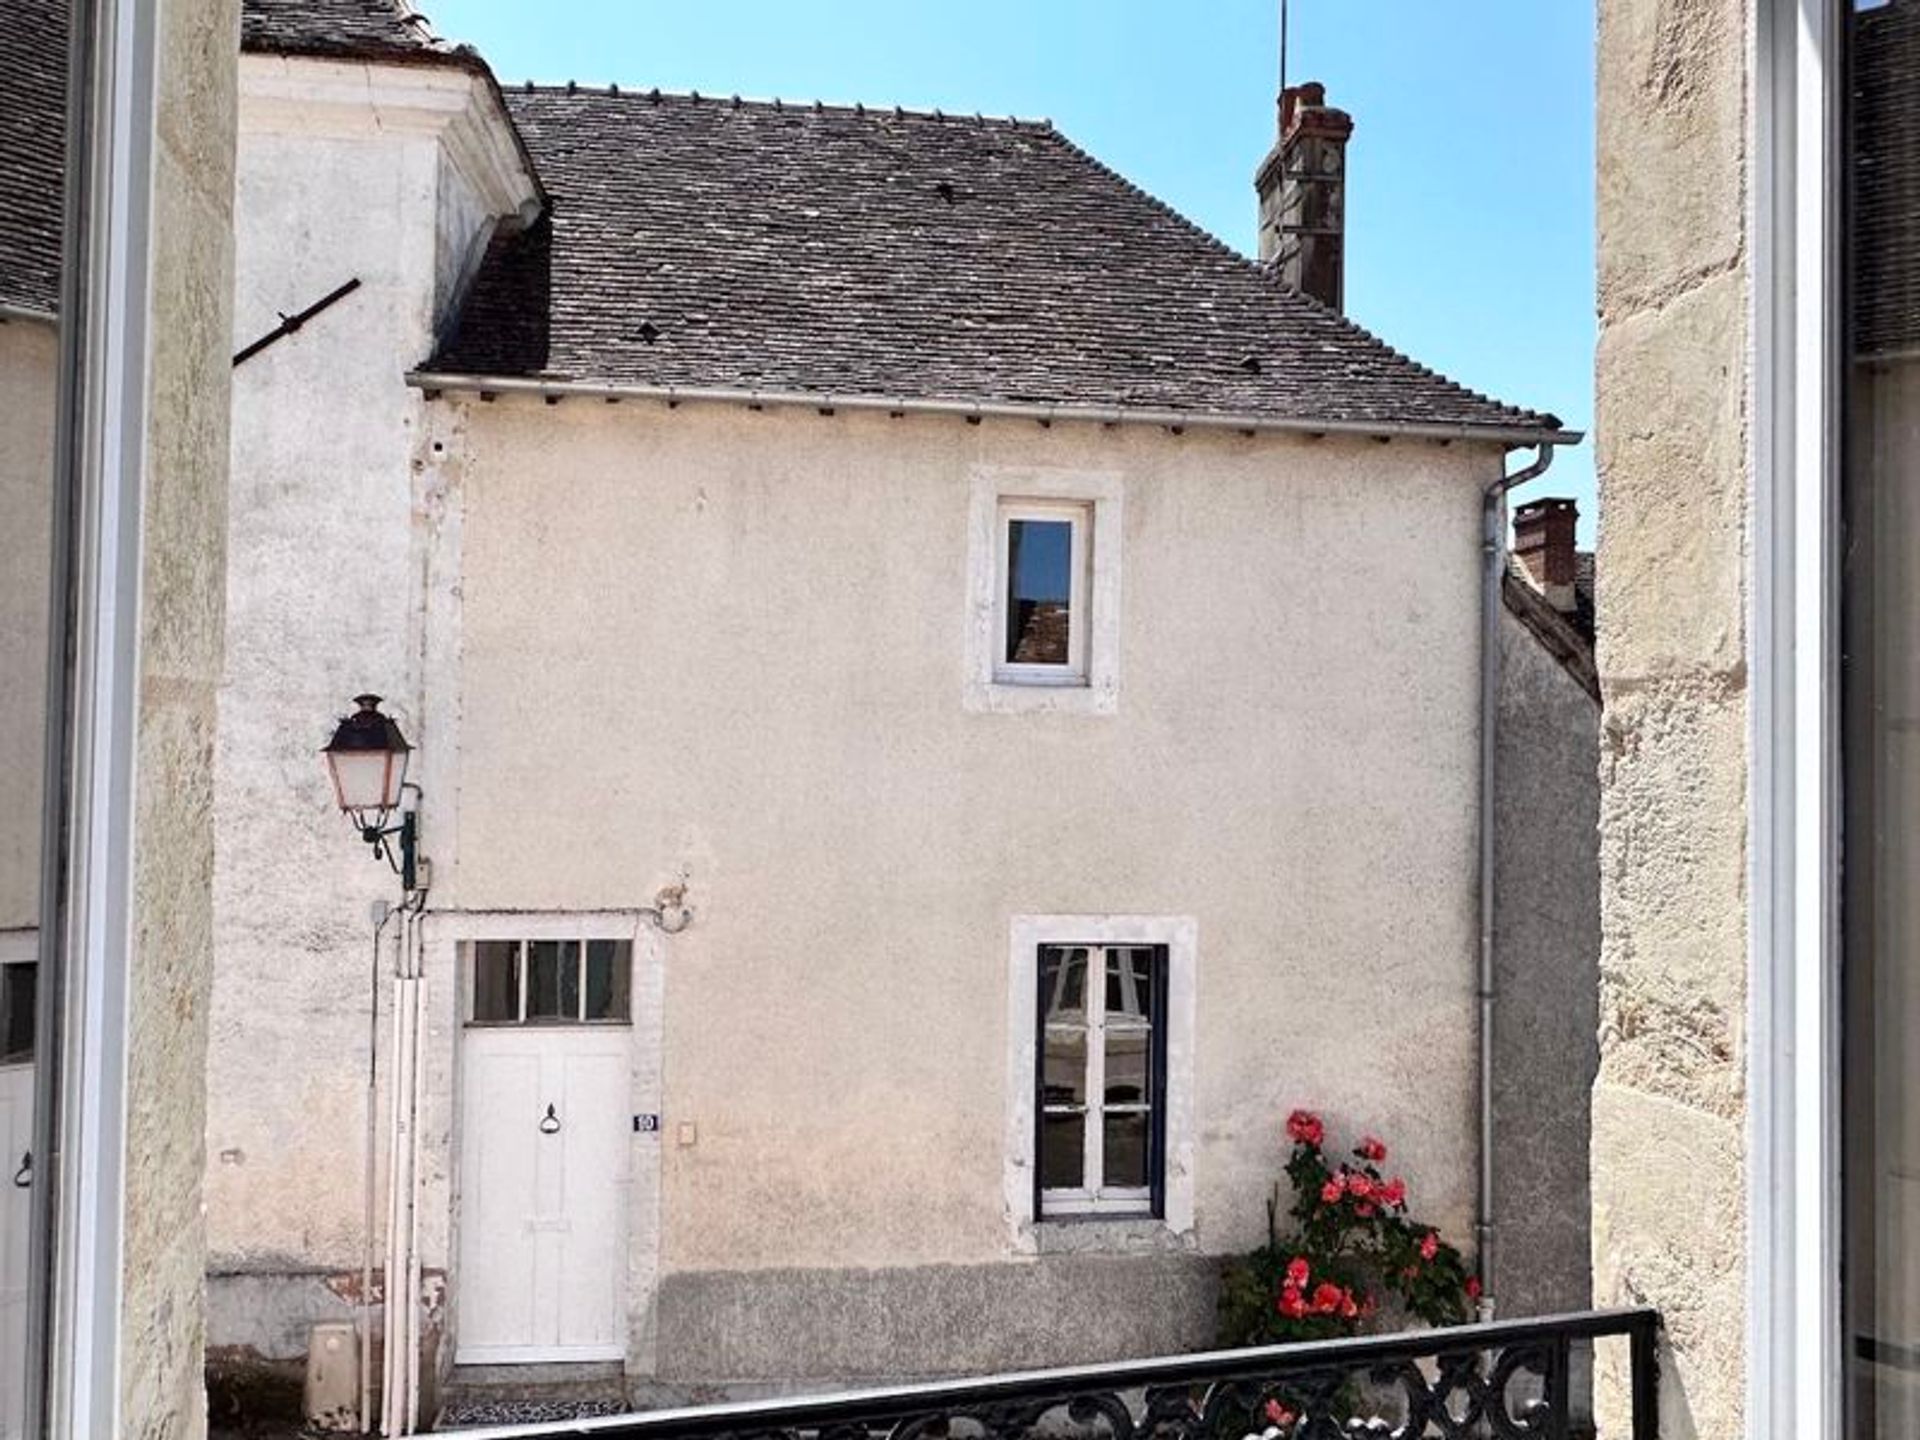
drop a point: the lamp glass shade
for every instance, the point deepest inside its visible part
(367, 759)
(367, 779)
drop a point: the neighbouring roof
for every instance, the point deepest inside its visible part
(33, 114)
(1886, 178)
(1567, 638)
(718, 244)
(384, 30)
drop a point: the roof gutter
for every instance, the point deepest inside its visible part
(1493, 571)
(487, 386)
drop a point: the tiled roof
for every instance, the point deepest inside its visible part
(33, 72)
(718, 244)
(387, 30)
(1886, 177)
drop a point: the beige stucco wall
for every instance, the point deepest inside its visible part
(27, 375)
(1668, 1153)
(344, 171)
(726, 647)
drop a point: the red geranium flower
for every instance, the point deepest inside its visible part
(1304, 1128)
(1331, 1192)
(1297, 1271)
(1278, 1414)
(1327, 1297)
(1360, 1186)
(1394, 1192)
(1371, 1149)
(1430, 1245)
(1291, 1304)
(1473, 1287)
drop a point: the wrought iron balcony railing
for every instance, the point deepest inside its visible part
(1509, 1380)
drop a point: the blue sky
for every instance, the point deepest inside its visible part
(1470, 205)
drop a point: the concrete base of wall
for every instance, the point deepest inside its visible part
(840, 1327)
(258, 1326)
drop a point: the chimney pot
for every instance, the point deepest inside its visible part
(1302, 191)
(1544, 540)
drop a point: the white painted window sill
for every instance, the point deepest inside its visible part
(1015, 698)
(1108, 1235)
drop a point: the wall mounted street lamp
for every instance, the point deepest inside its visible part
(367, 759)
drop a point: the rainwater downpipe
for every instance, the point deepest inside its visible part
(1493, 565)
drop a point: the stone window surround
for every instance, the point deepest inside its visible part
(1100, 490)
(1026, 934)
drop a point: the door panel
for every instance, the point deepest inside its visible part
(16, 1135)
(544, 1196)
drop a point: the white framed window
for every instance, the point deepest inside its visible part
(1041, 574)
(1043, 584)
(549, 982)
(1100, 1076)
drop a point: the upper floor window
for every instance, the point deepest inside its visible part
(551, 982)
(1043, 591)
(1042, 569)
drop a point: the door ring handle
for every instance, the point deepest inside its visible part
(550, 1122)
(23, 1177)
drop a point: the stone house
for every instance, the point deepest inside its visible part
(874, 597)
(1760, 322)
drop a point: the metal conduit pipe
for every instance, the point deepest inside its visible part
(1493, 568)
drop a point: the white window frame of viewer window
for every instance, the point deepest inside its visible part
(1027, 934)
(1794, 1355)
(1089, 684)
(1095, 1196)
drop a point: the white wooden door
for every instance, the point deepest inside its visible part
(16, 1198)
(546, 1144)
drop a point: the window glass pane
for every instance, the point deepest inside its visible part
(18, 984)
(1063, 982)
(1039, 591)
(1063, 1140)
(1126, 1154)
(1128, 1067)
(553, 980)
(496, 981)
(1130, 985)
(1064, 1081)
(1881, 742)
(609, 974)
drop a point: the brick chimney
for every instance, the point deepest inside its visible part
(1543, 539)
(1302, 185)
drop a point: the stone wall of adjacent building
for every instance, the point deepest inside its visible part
(1669, 1161)
(1546, 956)
(182, 577)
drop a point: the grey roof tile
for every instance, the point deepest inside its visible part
(720, 244)
(1886, 177)
(33, 71)
(387, 30)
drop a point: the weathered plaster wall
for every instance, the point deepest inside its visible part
(27, 378)
(183, 541)
(344, 171)
(1669, 1162)
(728, 647)
(1546, 957)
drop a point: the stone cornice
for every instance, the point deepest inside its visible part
(281, 94)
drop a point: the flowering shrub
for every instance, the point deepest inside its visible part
(1353, 1249)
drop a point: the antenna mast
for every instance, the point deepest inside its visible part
(1283, 48)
